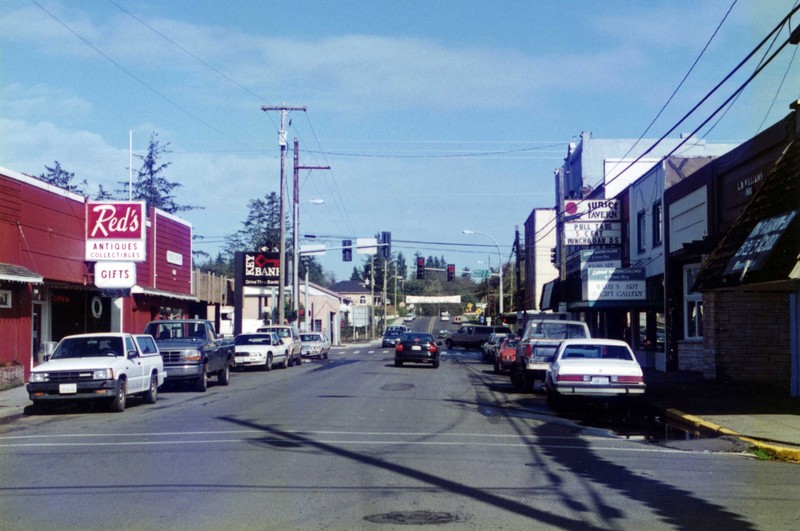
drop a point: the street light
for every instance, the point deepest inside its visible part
(500, 255)
(296, 261)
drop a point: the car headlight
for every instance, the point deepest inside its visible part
(103, 374)
(38, 377)
(192, 355)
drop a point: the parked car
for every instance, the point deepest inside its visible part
(538, 345)
(491, 345)
(192, 351)
(417, 347)
(107, 366)
(314, 345)
(505, 354)
(291, 341)
(592, 368)
(259, 350)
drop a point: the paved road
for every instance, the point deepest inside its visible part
(354, 442)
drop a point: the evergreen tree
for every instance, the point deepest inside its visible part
(151, 185)
(58, 176)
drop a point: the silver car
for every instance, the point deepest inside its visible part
(314, 345)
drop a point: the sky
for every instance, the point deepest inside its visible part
(433, 116)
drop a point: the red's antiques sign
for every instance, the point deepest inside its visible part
(115, 230)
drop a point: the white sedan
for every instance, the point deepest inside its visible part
(259, 350)
(593, 368)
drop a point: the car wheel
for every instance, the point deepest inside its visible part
(496, 366)
(449, 344)
(268, 363)
(118, 403)
(436, 363)
(398, 363)
(224, 376)
(201, 385)
(151, 396)
(516, 379)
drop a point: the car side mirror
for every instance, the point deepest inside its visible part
(132, 354)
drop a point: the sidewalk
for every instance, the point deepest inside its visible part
(761, 416)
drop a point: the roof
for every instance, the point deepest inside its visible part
(764, 243)
(15, 273)
(349, 286)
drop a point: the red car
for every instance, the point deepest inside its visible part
(506, 353)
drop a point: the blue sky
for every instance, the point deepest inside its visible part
(434, 116)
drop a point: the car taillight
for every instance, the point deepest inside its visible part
(571, 378)
(528, 350)
(627, 379)
(432, 348)
(399, 347)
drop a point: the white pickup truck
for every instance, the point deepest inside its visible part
(110, 366)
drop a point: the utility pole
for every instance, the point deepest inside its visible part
(284, 110)
(296, 230)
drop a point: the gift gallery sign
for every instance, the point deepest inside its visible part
(115, 231)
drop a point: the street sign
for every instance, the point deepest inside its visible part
(480, 273)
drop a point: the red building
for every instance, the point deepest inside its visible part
(48, 287)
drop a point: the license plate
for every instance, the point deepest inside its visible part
(68, 389)
(597, 380)
(416, 347)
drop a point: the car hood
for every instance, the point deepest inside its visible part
(594, 366)
(178, 344)
(252, 348)
(77, 364)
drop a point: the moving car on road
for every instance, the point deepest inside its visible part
(592, 368)
(417, 347)
(314, 345)
(391, 337)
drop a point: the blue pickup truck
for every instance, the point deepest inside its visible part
(192, 351)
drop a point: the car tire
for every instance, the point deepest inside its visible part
(516, 379)
(289, 359)
(268, 363)
(224, 375)
(398, 363)
(436, 363)
(201, 385)
(496, 366)
(118, 402)
(325, 356)
(151, 396)
(449, 344)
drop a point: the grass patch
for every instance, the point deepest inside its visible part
(761, 454)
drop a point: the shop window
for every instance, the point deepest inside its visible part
(692, 304)
(658, 224)
(641, 231)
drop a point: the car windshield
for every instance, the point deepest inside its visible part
(616, 352)
(88, 347)
(282, 332)
(556, 331)
(416, 338)
(310, 337)
(253, 339)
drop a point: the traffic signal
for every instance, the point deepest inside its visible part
(347, 250)
(386, 248)
(451, 272)
(420, 268)
(552, 255)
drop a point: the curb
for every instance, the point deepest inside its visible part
(701, 426)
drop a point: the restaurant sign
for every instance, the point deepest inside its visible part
(115, 231)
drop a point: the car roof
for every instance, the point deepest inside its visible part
(594, 341)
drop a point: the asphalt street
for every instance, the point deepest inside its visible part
(353, 442)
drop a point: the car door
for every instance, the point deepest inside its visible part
(134, 367)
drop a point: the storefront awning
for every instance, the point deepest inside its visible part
(763, 246)
(15, 273)
(139, 290)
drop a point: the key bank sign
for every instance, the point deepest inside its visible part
(115, 231)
